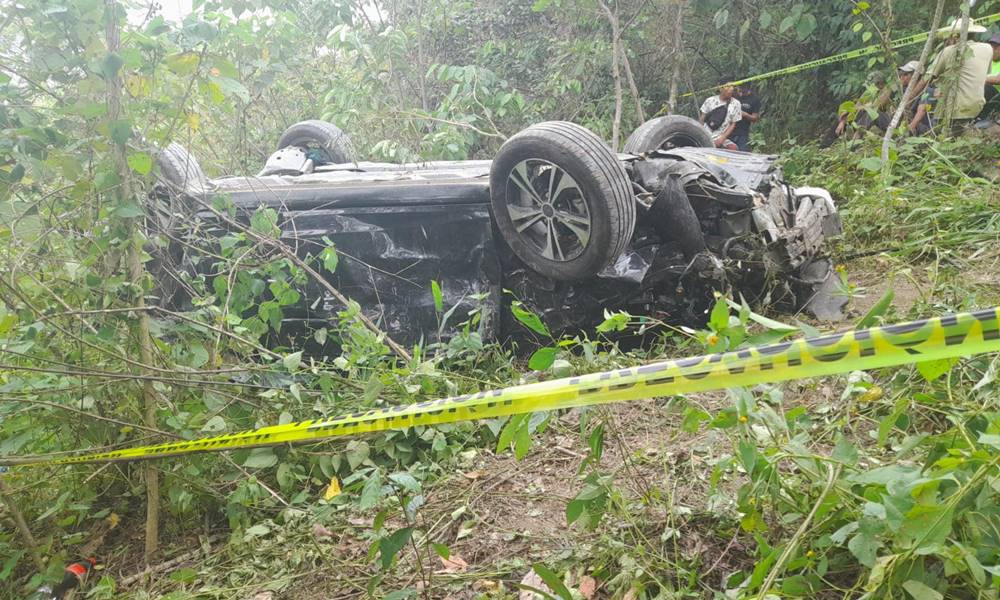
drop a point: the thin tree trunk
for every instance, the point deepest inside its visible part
(952, 91)
(924, 54)
(677, 56)
(641, 114)
(22, 526)
(616, 74)
(137, 273)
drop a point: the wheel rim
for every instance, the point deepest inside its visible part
(548, 210)
(678, 140)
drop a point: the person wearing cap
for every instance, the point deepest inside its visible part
(750, 105)
(993, 78)
(961, 81)
(721, 113)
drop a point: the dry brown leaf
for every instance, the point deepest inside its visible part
(486, 585)
(320, 532)
(472, 475)
(588, 587)
(630, 594)
(453, 564)
(263, 596)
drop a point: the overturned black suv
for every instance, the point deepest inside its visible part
(556, 220)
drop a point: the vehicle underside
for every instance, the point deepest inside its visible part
(690, 222)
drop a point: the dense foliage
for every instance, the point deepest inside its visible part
(897, 473)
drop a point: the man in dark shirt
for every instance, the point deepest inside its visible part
(751, 114)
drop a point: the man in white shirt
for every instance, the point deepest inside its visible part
(721, 113)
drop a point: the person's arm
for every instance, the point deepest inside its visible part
(993, 79)
(919, 115)
(721, 140)
(752, 117)
(701, 118)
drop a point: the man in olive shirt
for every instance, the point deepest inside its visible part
(962, 82)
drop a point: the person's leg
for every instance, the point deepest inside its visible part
(742, 141)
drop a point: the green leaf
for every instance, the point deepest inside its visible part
(540, 5)
(693, 418)
(871, 317)
(130, 210)
(805, 26)
(371, 492)
(214, 424)
(927, 526)
(390, 546)
(141, 163)
(765, 19)
(720, 315)
(120, 131)
(522, 442)
(529, 319)
(261, 458)
(110, 65)
(405, 481)
(920, 590)
(510, 429)
(786, 24)
(184, 575)
(864, 548)
(872, 164)
(845, 451)
(330, 259)
(441, 550)
(292, 361)
(933, 369)
(542, 359)
(438, 297)
(552, 580)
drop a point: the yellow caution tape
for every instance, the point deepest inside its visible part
(939, 338)
(849, 55)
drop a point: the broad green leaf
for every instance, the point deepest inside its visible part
(390, 546)
(120, 131)
(864, 548)
(920, 590)
(529, 319)
(933, 369)
(542, 359)
(720, 315)
(214, 424)
(927, 526)
(553, 581)
(371, 491)
(405, 481)
(261, 458)
(510, 429)
(872, 164)
(292, 361)
(141, 163)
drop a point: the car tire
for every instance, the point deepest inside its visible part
(179, 177)
(671, 131)
(562, 200)
(327, 136)
(178, 169)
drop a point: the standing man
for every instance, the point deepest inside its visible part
(721, 113)
(751, 114)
